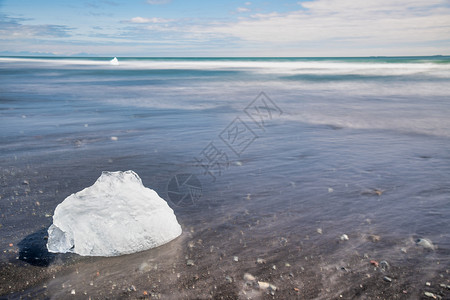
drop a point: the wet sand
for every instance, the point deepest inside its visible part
(222, 240)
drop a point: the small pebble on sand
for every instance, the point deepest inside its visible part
(431, 295)
(260, 261)
(189, 262)
(263, 285)
(378, 192)
(425, 243)
(249, 277)
(267, 286)
(374, 238)
(384, 265)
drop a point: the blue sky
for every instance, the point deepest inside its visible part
(225, 28)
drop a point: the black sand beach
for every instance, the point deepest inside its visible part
(308, 210)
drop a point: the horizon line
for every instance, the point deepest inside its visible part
(220, 57)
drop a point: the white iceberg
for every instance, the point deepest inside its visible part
(117, 215)
(114, 61)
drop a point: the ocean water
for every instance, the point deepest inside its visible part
(278, 147)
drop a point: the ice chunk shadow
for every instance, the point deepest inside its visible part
(33, 249)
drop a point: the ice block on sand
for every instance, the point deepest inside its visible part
(117, 215)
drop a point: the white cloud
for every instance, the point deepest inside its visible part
(319, 28)
(322, 28)
(404, 21)
(248, 3)
(242, 9)
(316, 28)
(13, 28)
(141, 20)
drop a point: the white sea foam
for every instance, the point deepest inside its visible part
(288, 68)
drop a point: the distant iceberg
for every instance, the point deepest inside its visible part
(114, 61)
(117, 215)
